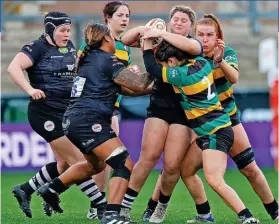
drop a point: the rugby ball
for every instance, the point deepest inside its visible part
(156, 23)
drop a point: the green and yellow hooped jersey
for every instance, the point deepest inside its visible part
(223, 86)
(195, 82)
(122, 52)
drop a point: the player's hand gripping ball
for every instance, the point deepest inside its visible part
(159, 24)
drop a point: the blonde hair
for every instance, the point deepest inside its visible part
(94, 34)
(184, 9)
(210, 19)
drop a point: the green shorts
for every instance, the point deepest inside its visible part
(221, 140)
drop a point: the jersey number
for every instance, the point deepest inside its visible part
(205, 81)
(77, 86)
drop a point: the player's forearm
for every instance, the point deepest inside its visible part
(127, 92)
(188, 45)
(133, 81)
(18, 77)
(151, 66)
(131, 36)
(231, 73)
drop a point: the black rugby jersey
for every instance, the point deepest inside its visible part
(52, 70)
(93, 86)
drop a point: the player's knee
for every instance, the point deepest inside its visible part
(251, 171)
(185, 175)
(148, 160)
(244, 158)
(215, 182)
(187, 179)
(171, 169)
(117, 161)
(187, 172)
(100, 167)
(148, 155)
(123, 172)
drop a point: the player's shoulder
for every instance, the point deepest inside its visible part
(199, 60)
(99, 57)
(191, 37)
(229, 49)
(230, 54)
(107, 55)
(36, 48)
(38, 43)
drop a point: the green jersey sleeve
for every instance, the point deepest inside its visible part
(230, 57)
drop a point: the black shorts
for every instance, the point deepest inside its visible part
(170, 115)
(235, 119)
(46, 120)
(87, 130)
(221, 140)
(115, 112)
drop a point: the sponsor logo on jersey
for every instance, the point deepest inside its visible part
(205, 143)
(71, 67)
(64, 74)
(116, 63)
(30, 44)
(28, 48)
(230, 58)
(88, 142)
(63, 50)
(66, 124)
(60, 56)
(96, 127)
(114, 58)
(77, 87)
(49, 125)
(174, 73)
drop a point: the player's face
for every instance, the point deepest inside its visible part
(120, 19)
(62, 35)
(180, 24)
(208, 36)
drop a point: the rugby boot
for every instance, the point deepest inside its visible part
(202, 218)
(50, 197)
(23, 200)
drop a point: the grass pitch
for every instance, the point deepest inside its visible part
(181, 207)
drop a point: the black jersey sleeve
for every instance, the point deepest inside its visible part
(34, 50)
(113, 66)
(151, 66)
(201, 52)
